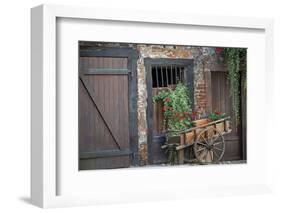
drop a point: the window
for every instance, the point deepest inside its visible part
(166, 76)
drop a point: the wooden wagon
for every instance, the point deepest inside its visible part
(207, 139)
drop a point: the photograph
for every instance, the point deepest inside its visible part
(144, 105)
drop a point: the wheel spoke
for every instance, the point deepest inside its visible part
(201, 155)
(205, 157)
(202, 144)
(217, 148)
(216, 154)
(204, 154)
(217, 143)
(211, 155)
(204, 140)
(201, 149)
(217, 136)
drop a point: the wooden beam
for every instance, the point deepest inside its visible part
(104, 154)
(105, 71)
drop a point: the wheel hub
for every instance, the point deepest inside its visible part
(209, 146)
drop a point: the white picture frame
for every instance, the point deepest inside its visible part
(46, 174)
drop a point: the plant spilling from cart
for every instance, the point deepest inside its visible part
(189, 133)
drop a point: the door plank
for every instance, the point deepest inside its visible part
(99, 109)
(105, 154)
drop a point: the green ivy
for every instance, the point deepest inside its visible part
(236, 65)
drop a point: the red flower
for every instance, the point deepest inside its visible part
(218, 50)
(186, 113)
(179, 114)
(193, 115)
(167, 99)
(164, 108)
(217, 113)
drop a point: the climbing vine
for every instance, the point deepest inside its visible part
(236, 65)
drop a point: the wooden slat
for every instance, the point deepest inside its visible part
(112, 162)
(104, 154)
(158, 115)
(102, 140)
(105, 71)
(105, 62)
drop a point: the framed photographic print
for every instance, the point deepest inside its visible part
(147, 106)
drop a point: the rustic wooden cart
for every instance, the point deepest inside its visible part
(207, 139)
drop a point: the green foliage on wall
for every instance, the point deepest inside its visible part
(236, 65)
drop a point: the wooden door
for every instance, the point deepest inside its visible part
(221, 101)
(161, 74)
(107, 123)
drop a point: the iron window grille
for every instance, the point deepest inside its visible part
(166, 76)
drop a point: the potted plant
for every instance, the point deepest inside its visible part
(217, 116)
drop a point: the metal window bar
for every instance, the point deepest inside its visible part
(167, 83)
(157, 83)
(171, 74)
(174, 75)
(164, 75)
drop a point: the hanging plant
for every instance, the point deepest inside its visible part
(236, 65)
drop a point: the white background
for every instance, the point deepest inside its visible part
(15, 106)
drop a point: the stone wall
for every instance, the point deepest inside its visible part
(202, 56)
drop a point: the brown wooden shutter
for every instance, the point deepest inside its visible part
(221, 101)
(107, 132)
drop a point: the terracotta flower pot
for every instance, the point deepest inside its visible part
(201, 122)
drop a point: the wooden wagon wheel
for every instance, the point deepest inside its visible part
(209, 146)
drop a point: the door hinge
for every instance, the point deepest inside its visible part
(130, 72)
